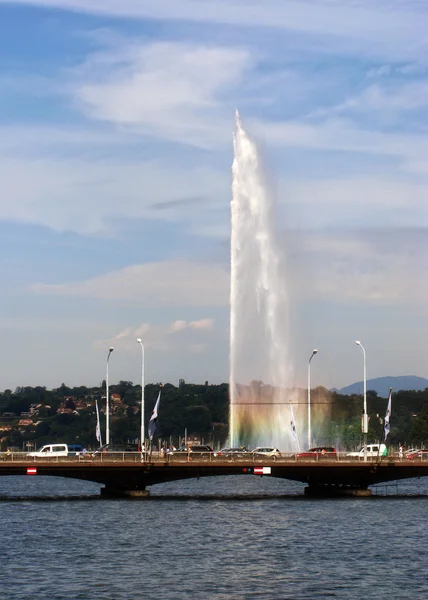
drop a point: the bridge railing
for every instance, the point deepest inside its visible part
(79, 458)
(213, 457)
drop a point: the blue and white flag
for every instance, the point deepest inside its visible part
(387, 426)
(98, 427)
(293, 428)
(153, 423)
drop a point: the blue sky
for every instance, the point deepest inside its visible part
(116, 122)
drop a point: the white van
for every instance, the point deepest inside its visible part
(373, 451)
(50, 451)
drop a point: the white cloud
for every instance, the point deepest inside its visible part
(194, 337)
(202, 324)
(169, 283)
(178, 326)
(142, 330)
(181, 325)
(162, 88)
(124, 334)
(84, 181)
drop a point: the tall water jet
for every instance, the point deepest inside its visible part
(260, 368)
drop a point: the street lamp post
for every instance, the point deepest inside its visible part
(110, 350)
(139, 340)
(309, 399)
(365, 416)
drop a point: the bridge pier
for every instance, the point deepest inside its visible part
(335, 491)
(109, 492)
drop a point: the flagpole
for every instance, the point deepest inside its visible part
(108, 400)
(309, 400)
(142, 436)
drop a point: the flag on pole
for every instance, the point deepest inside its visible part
(153, 423)
(293, 428)
(98, 428)
(387, 427)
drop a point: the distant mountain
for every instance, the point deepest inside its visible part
(382, 384)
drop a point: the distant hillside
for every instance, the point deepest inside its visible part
(382, 384)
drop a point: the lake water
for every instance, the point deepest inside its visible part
(225, 538)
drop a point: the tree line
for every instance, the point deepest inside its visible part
(67, 414)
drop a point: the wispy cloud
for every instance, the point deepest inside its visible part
(169, 283)
(88, 196)
(134, 91)
(378, 267)
(344, 135)
(202, 324)
(392, 97)
(164, 89)
(353, 203)
(182, 325)
(179, 325)
(364, 27)
(193, 336)
(179, 202)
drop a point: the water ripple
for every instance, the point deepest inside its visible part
(214, 545)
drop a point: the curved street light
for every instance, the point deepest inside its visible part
(110, 350)
(309, 399)
(142, 438)
(365, 418)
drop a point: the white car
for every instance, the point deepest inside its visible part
(373, 451)
(266, 452)
(50, 451)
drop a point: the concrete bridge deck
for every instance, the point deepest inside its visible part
(128, 475)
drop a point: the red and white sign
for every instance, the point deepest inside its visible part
(262, 471)
(31, 471)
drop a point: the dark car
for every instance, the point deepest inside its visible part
(229, 452)
(318, 452)
(195, 450)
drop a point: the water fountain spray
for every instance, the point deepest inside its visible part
(260, 368)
